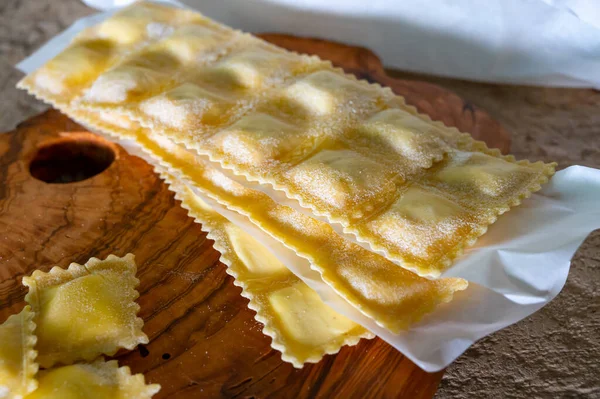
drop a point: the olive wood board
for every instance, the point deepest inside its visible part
(204, 341)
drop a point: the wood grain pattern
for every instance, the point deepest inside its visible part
(204, 340)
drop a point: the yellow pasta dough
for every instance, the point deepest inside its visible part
(98, 48)
(86, 310)
(302, 327)
(17, 355)
(393, 297)
(97, 380)
(345, 149)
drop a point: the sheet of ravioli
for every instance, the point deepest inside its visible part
(86, 310)
(359, 165)
(345, 149)
(302, 327)
(97, 380)
(393, 297)
(17, 355)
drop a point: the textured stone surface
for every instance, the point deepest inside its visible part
(554, 353)
(25, 26)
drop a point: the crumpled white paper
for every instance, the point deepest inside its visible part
(517, 267)
(532, 42)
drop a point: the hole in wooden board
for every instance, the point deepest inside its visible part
(143, 351)
(71, 158)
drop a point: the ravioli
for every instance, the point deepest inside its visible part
(100, 47)
(17, 355)
(97, 380)
(302, 327)
(86, 310)
(393, 297)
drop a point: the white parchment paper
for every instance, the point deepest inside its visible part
(541, 42)
(515, 269)
(532, 42)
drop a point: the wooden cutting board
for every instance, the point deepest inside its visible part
(204, 341)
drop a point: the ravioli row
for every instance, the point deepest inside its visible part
(393, 297)
(301, 326)
(74, 316)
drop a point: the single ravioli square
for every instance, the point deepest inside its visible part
(393, 296)
(342, 179)
(97, 380)
(256, 261)
(482, 181)
(133, 79)
(197, 43)
(422, 227)
(142, 21)
(334, 96)
(17, 355)
(306, 318)
(252, 68)
(86, 310)
(130, 81)
(258, 139)
(187, 106)
(404, 135)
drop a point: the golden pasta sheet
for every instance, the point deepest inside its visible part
(393, 297)
(97, 380)
(86, 310)
(302, 327)
(17, 355)
(403, 186)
